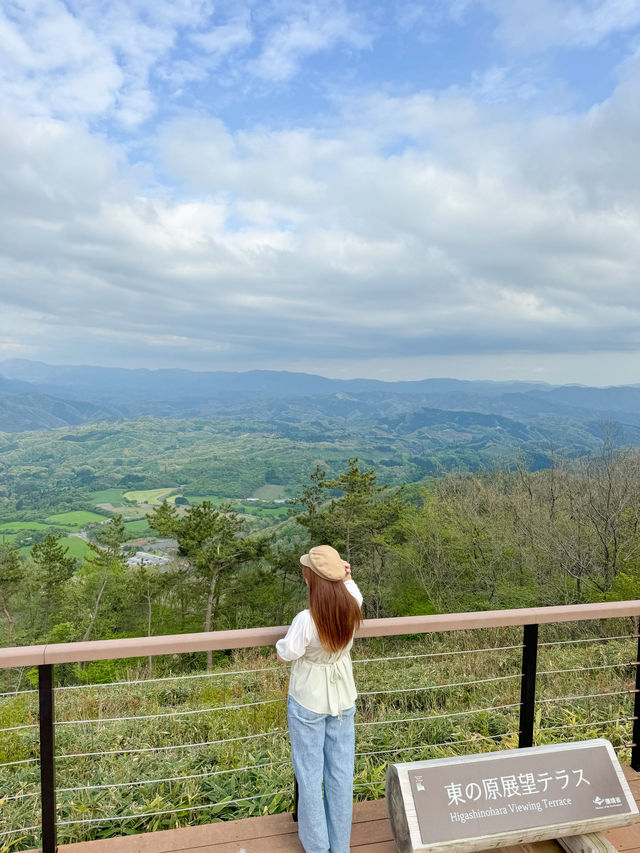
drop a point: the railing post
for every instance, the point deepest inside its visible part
(47, 758)
(528, 685)
(635, 738)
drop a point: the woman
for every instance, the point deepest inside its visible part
(320, 705)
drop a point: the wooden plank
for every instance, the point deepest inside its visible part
(624, 838)
(254, 637)
(249, 837)
(168, 840)
(379, 847)
(370, 810)
(496, 618)
(288, 842)
(363, 835)
(365, 814)
(371, 833)
(22, 656)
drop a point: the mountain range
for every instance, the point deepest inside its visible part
(36, 396)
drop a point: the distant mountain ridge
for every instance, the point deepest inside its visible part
(23, 412)
(119, 385)
(37, 396)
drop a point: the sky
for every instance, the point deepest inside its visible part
(392, 189)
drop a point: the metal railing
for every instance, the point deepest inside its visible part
(46, 657)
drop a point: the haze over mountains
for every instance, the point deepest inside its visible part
(34, 396)
(121, 385)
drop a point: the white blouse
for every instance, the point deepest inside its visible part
(320, 681)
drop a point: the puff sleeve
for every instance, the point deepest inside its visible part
(294, 644)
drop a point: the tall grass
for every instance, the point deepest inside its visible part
(250, 776)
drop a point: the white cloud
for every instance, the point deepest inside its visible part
(473, 235)
(301, 30)
(529, 26)
(94, 59)
(91, 60)
(222, 39)
(505, 83)
(401, 227)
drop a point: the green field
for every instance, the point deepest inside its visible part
(107, 496)
(148, 496)
(76, 518)
(256, 509)
(75, 546)
(16, 526)
(7, 538)
(269, 493)
(140, 527)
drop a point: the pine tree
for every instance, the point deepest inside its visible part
(54, 567)
(11, 573)
(211, 539)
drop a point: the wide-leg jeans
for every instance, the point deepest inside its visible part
(322, 750)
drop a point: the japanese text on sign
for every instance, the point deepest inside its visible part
(514, 785)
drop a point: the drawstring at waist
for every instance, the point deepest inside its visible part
(311, 679)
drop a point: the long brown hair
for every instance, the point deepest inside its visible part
(335, 611)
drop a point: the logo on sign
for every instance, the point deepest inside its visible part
(606, 802)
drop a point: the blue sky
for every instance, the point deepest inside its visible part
(391, 189)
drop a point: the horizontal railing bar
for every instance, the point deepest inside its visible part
(17, 728)
(210, 773)
(167, 714)
(218, 674)
(126, 751)
(13, 693)
(18, 831)
(588, 668)
(19, 656)
(436, 654)
(174, 778)
(588, 696)
(438, 686)
(439, 716)
(586, 725)
(22, 761)
(152, 781)
(170, 811)
(262, 702)
(591, 640)
(224, 673)
(434, 745)
(136, 647)
(166, 748)
(141, 782)
(22, 796)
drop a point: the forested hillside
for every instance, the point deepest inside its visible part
(151, 525)
(569, 533)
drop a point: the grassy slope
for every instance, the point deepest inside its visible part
(76, 519)
(412, 740)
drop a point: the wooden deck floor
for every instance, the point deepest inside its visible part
(371, 833)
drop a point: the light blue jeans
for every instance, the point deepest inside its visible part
(322, 750)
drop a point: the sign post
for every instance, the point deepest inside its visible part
(475, 802)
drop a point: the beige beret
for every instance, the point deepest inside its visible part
(325, 562)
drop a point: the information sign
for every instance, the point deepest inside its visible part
(475, 802)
